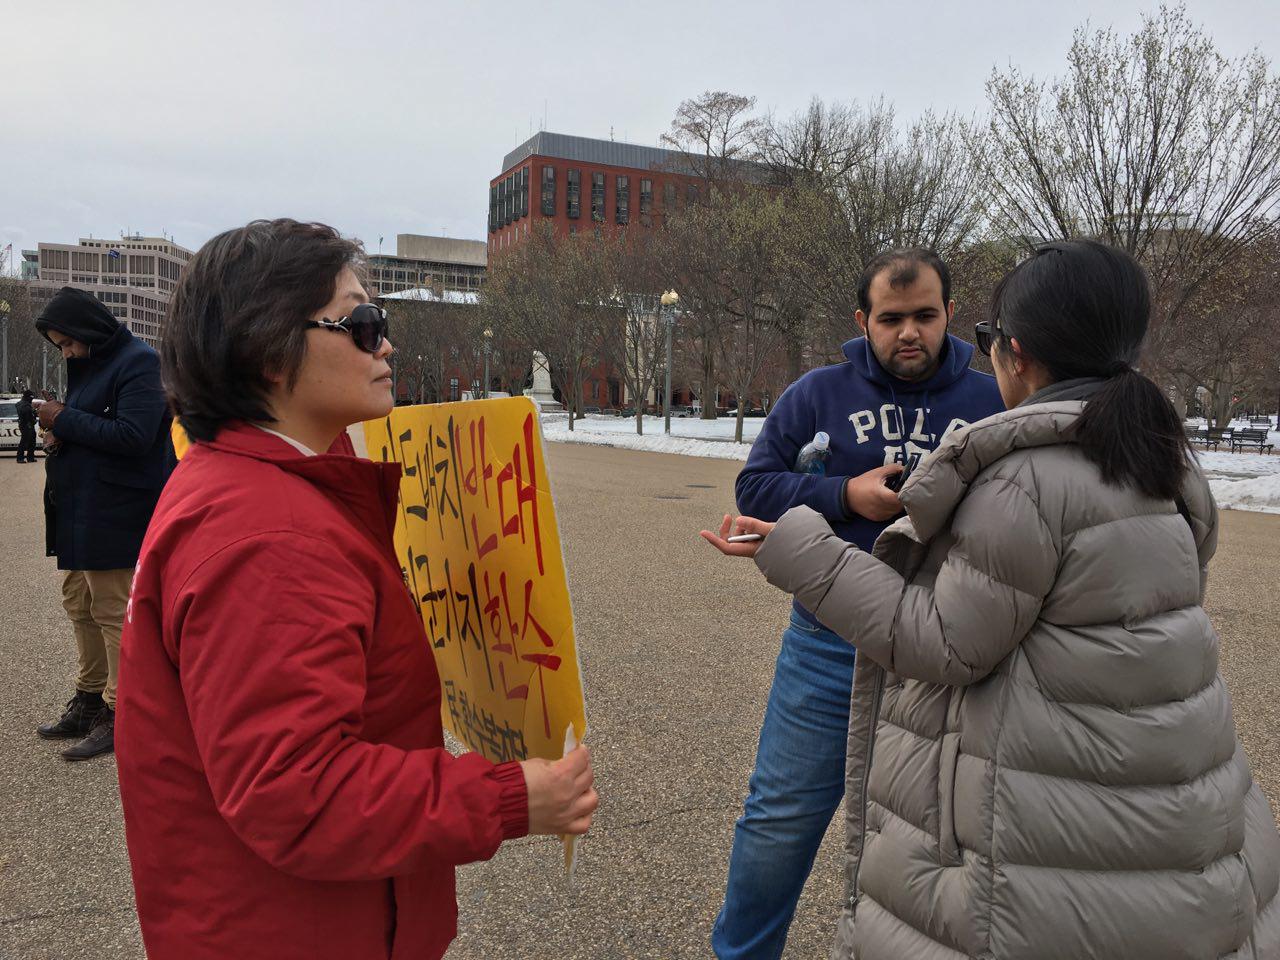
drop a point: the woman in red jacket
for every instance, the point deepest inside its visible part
(286, 790)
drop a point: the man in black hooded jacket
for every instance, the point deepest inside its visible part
(109, 451)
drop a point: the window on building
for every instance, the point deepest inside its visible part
(691, 194)
(597, 197)
(646, 197)
(475, 388)
(669, 196)
(493, 208)
(453, 389)
(622, 199)
(524, 192)
(548, 190)
(573, 193)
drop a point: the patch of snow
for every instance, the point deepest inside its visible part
(689, 437)
(1218, 463)
(1259, 494)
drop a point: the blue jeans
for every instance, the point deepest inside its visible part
(794, 791)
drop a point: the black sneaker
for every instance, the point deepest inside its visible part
(101, 739)
(77, 718)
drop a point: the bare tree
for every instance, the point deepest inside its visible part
(870, 186)
(745, 282)
(1155, 143)
(28, 351)
(1227, 342)
(717, 135)
(434, 339)
(549, 294)
(821, 144)
(632, 339)
(692, 258)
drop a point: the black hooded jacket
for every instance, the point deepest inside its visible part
(114, 450)
(79, 315)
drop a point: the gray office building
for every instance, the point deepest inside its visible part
(134, 276)
(433, 263)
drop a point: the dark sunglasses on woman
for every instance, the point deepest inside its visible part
(367, 325)
(984, 335)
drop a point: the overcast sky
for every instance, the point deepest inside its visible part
(391, 117)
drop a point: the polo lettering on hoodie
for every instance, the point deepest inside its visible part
(874, 420)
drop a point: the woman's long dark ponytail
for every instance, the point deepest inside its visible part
(1081, 308)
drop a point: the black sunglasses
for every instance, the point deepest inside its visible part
(367, 326)
(984, 334)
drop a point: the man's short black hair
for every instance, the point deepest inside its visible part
(240, 312)
(904, 266)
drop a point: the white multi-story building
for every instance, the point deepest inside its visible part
(134, 276)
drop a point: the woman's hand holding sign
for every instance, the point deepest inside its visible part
(731, 539)
(562, 795)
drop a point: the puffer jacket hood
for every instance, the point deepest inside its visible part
(1042, 754)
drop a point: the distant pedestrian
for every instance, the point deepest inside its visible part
(107, 447)
(26, 429)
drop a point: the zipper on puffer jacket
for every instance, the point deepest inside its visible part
(874, 721)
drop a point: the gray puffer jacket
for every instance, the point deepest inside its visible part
(1042, 762)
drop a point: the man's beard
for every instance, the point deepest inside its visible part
(913, 368)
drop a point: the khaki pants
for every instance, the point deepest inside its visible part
(95, 601)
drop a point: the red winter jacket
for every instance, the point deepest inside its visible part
(286, 792)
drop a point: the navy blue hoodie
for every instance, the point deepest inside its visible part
(873, 418)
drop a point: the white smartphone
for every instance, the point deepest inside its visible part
(745, 538)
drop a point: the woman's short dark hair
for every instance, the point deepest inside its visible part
(239, 314)
(1081, 308)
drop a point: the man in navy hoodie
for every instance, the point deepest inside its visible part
(905, 385)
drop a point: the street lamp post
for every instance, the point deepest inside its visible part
(669, 301)
(4, 343)
(488, 349)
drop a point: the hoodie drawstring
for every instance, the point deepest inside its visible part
(903, 433)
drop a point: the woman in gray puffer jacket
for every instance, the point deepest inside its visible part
(1042, 757)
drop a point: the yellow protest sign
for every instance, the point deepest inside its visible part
(181, 442)
(479, 544)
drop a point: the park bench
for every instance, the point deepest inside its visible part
(1209, 436)
(1260, 423)
(1254, 438)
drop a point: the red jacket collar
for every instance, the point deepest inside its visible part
(369, 490)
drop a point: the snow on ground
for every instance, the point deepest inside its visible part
(1242, 481)
(1259, 494)
(690, 437)
(1224, 463)
(1239, 481)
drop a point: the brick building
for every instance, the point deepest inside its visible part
(579, 184)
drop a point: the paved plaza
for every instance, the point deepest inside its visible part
(677, 646)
